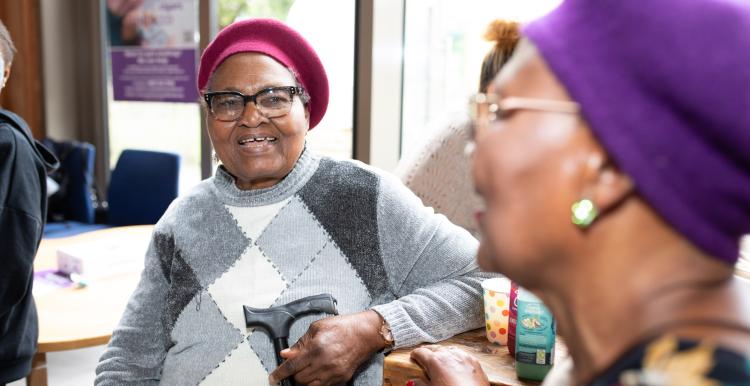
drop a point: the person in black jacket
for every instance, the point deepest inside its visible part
(23, 206)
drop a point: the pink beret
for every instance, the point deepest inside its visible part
(277, 40)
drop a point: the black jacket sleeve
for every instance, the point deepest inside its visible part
(22, 212)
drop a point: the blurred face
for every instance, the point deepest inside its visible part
(527, 167)
(258, 151)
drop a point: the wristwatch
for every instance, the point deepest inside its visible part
(386, 334)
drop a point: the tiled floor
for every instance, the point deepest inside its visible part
(70, 368)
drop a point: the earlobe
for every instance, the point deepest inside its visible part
(611, 187)
(307, 115)
(605, 188)
(6, 75)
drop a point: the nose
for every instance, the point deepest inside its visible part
(251, 116)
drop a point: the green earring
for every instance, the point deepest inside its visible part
(584, 213)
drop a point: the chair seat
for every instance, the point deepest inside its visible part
(69, 228)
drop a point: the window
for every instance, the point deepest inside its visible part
(334, 43)
(139, 32)
(176, 127)
(443, 52)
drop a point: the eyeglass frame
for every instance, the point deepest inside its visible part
(511, 103)
(293, 90)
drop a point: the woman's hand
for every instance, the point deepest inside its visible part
(331, 350)
(448, 366)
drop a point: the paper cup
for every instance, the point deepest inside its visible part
(496, 302)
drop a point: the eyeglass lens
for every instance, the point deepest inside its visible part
(271, 103)
(482, 113)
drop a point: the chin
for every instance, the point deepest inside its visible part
(504, 261)
(487, 258)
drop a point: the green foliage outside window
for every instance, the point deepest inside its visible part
(231, 10)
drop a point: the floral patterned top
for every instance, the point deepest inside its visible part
(669, 361)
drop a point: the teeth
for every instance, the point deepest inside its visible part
(257, 139)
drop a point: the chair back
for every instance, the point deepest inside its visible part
(142, 186)
(75, 176)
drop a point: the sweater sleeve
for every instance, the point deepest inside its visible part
(431, 268)
(136, 352)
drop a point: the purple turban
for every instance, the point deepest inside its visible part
(665, 87)
(277, 40)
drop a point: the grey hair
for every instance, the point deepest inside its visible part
(7, 49)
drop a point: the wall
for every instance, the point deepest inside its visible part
(75, 101)
(58, 68)
(24, 92)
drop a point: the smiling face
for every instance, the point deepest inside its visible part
(529, 168)
(258, 151)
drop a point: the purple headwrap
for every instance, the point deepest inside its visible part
(665, 87)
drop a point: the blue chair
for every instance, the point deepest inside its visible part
(71, 210)
(142, 186)
(74, 201)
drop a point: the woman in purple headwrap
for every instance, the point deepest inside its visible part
(613, 156)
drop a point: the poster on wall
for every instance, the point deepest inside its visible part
(153, 49)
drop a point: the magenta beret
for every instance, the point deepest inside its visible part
(665, 87)
(277, 40)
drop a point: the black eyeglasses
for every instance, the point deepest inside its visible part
(273, 102)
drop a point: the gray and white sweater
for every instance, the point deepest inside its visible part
(330, 226)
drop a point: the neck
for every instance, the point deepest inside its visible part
(620, 292)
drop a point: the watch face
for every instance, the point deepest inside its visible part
(386, 333)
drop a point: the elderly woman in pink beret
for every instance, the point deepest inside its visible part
(613, 156)
(278, 223)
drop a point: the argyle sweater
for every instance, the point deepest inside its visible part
(330, 226)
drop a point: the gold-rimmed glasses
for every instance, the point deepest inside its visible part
(487, 108)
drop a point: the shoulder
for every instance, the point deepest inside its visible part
(342, 168)
(14, 146)
(334, 176)
(9, 135)
(356, 178)
(668, 356)
(188, 204)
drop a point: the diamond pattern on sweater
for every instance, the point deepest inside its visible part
(329, 272)
(223, 254)
(302, 235)
(203, 338)
(179, 296)
(253, 281)
(344, 199)
(253, 220)
(241, 367)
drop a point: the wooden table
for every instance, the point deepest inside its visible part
(495, 360)
(72, 318)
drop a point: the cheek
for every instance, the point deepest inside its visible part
(218, 131)
(296, 124)
(523, 180)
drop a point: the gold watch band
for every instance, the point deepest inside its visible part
(386, 334)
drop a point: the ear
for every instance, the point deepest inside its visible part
(6, 75)
(307, 115)
(608, 186)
